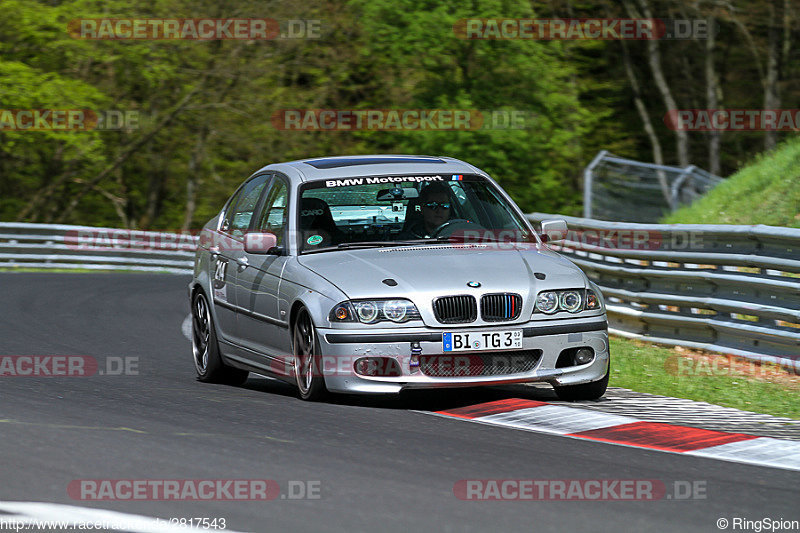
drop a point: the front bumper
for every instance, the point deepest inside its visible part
(551, 337)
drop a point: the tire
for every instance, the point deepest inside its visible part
(584, 391)
(205, 347)
(307, 369)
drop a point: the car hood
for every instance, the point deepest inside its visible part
(443, 269)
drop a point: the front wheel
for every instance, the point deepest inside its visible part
(584, 391)
(205, 348)
(307, 368)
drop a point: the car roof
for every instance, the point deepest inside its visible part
(318, 168)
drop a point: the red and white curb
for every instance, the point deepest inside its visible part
(542, 417)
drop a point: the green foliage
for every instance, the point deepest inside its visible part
(767, 191)
(427, 66)
(205, 106)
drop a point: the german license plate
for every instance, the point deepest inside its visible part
(476, 341)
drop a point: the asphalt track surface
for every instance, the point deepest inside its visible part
(382, 465)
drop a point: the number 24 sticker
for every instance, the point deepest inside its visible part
(220, 271)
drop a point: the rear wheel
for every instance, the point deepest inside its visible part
(307, 370)
(584, 391)
(205, 347)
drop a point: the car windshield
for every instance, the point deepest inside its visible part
(388, 210)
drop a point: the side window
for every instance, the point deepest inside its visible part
(226, 223)
(237, 219)
(275, 210)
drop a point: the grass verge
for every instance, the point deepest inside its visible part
(765, 191)
(712, 378)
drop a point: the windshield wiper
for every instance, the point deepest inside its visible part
(425, 240)
(364, 244)
(349, 245)
(378, 244)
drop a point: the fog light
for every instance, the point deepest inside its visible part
(362, 367)
(583, 356)
(377, 367)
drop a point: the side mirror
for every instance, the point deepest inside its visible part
(554, 230)
(260, 243)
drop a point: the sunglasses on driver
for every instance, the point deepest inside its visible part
(437, 205)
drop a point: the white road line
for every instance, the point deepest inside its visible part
(36, 514)
(186, 327)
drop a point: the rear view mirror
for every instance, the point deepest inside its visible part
(397, 193)
(554, 230)
(260, 243)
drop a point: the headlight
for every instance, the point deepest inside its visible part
(372, 311)
(570, 300)
(396, 310)
(547, 302)
(367, 312)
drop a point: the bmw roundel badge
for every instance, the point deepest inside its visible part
(473, 284)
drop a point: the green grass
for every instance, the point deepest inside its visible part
(766, 191)
(645, 367)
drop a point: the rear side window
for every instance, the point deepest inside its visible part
(274, 218)
(240, 210)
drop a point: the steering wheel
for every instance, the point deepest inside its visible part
(440, 229)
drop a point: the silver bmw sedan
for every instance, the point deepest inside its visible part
(375, 274)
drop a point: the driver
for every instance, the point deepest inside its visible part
(436, 205)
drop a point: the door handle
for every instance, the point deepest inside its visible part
(243, 262)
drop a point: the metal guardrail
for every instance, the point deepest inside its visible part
(56, 246)
(615, 188)
(726, 288)
(734, 289)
